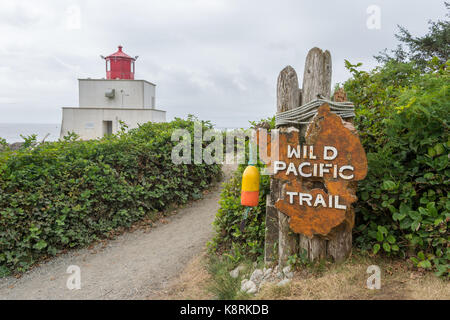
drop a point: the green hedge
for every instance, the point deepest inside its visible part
(69, 193)
(403, 119)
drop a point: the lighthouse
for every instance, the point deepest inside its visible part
(104, 103)
(119, 65)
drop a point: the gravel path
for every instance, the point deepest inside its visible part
(133, 266)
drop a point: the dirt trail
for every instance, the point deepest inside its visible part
(134, 266)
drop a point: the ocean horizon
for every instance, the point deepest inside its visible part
(12, 132)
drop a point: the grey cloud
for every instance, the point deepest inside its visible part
(217, 59)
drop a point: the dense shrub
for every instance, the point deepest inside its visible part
(229, 240)
(403, 119)
(69, 193)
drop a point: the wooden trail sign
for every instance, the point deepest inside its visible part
(315, 173)
(316, 196)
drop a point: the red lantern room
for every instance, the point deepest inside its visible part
(119, 65)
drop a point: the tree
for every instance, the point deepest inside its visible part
(436, 43)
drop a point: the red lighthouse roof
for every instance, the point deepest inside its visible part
(119, 65)
(120, 53)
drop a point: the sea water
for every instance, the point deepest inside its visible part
(11, 131)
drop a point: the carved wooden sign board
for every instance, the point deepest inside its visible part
(320, 175)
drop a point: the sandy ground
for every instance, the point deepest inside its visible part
(136, 265)
(191, 284)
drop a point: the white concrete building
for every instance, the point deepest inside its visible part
(103, 103)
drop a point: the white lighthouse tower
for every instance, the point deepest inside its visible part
(105, 102)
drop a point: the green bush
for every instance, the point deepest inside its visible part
(403, 119)
(69, 193)
(228, 239)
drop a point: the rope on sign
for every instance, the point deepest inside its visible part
(301, 114)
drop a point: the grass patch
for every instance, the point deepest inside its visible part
(347, 281)
(207, 277)
(222, 285)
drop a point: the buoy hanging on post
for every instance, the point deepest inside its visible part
(250, 186)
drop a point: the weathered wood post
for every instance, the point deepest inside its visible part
(288, 97)
(279, 241)
(316, 81)
(333, 241)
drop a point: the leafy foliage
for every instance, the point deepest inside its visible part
(402, 117)
(299, 260)
(229, 240)
(66, 194)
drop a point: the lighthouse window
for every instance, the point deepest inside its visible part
(108, 65)
(132, 67)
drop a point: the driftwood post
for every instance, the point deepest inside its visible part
(316, 81)
(337, 244)
(277, 223)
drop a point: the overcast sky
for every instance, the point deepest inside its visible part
(216, 59)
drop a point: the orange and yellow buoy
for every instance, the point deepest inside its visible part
(250, 187)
